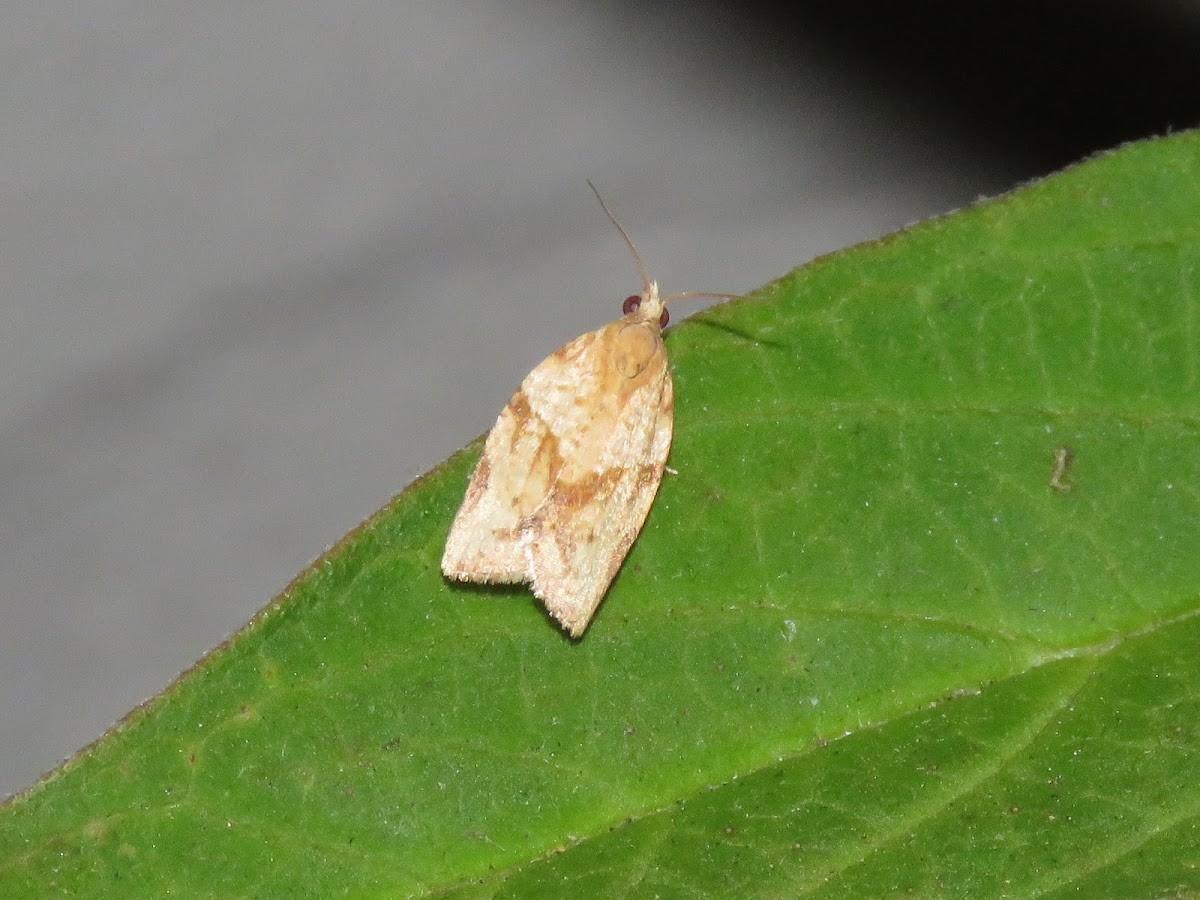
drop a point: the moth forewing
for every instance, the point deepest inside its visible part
(580, 536)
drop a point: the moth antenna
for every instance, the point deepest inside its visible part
(646, 282)
(692, 295)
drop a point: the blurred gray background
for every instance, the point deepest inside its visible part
(263, 264)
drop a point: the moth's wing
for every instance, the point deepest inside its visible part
(618, 446)
(521, 459)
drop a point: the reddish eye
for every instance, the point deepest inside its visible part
(633, 302)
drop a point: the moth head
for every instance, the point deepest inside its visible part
(644, 306)
(649, 306)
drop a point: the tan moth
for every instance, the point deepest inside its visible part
(572, 465)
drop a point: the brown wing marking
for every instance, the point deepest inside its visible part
(581, 535)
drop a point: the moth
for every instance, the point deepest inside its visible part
(571, 468)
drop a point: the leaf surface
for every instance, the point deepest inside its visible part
(863, 647)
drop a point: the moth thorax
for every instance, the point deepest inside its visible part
(636, 345)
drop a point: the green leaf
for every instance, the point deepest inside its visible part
(863, 646)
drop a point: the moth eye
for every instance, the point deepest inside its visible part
(664, 318)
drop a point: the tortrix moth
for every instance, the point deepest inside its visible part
(572, 465)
